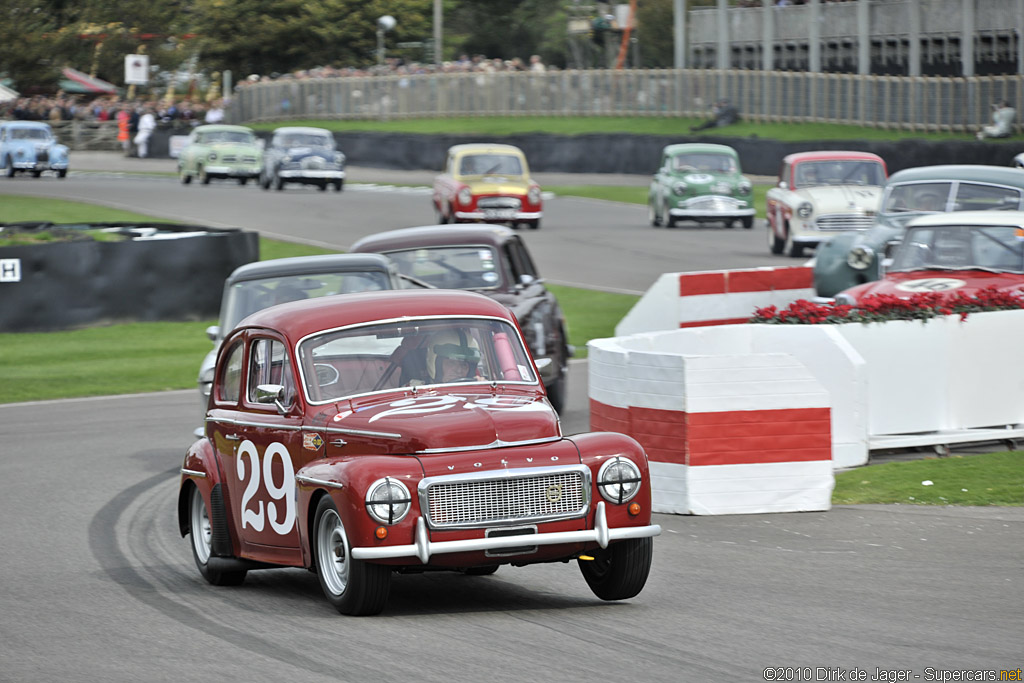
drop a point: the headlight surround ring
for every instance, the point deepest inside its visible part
(860, 257)
(618, 479)
(680, 188)
(465, 196)
(388, 500)
(804, 210)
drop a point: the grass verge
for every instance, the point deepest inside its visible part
(982, 479)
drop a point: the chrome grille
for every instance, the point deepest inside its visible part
(229, 158)
(844, 221)
(313, 162)
(499, 203)
(533, 495)
(711, 204)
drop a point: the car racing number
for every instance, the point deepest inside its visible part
(255, 474)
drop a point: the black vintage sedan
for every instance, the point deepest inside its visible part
(304, 155)
(492, 260)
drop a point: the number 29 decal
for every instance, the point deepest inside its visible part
(284, 492)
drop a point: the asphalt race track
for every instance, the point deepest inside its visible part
(97, 584)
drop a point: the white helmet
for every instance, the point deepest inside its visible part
(454, 345)
(1018, 161)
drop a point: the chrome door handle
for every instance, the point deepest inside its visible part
(233, 437)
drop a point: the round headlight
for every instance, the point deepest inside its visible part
(618, 480)
(465, 196)
(860, 257)
(679, 188)
(339, 157)
(213, 156)
(744, 187)
(388, 500)
(533, 195)
(804, 210)
(843, 299)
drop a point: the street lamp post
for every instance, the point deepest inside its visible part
(384, 24)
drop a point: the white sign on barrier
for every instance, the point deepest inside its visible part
(10, 270)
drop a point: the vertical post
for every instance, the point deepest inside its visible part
(863, 38)
(967, 64)
(722, 52)
(438, 31)
(1020, 40)
(914, 36)
(814, 37)
(679, 27)
(767, 54)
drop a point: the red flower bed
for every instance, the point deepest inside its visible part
(883, 307)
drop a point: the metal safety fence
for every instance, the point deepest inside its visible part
(914, 104)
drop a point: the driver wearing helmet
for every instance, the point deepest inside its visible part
(452, 355)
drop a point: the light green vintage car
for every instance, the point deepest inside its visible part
(700, 182)
(221, 151)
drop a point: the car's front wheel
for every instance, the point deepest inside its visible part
(201, 534)
(62, 173)
(185, 177)
(9, 167)
(775, 243)
(794, 249)
(652, 215)
(748, 222)
(204, 177)
(243, 181)
(670, 220)
(619, 571)
(352, 586)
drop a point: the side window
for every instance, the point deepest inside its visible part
(784, 174)
(523, 260)
(229, 386)
(268, 364)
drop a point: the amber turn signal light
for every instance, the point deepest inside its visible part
(381, 532)
(634, 509)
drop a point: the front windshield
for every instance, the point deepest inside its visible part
(838, 172)
(412, 353)
(488, 164)
(30, 134)
(239, 137)
(958, 247)
(305, 140)
(248, 296)
(469, 267)
(704, 163)
(936, 196)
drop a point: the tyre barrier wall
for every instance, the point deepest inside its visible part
(719, 297)
(177, 273)
(631, 154)
(726, 432)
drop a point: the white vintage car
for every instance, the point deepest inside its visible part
(820, 194)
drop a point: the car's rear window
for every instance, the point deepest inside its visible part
(468, 267)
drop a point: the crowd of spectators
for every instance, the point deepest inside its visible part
(63, 107)
(395, 66)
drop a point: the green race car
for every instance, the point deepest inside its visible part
(702, 183)
(221, 151)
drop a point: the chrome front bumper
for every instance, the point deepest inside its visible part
(497, 215)
(422, 548)
(319, 175)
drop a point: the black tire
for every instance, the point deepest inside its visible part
(556, 393)
(278, 183)
(652, 215)
(243, 181)
(322, 186)
(747, 222)
(36, 174)
(62, 173)
(352, 586)
(339, 185)
(481, 571)
(439, 216)
(534, 224)
(8, 167)
(795, 250)
(619, 571)
(775, 244)
(204, 177)
(185, 177)
(265, 181)
(201, 537)
(670, 220)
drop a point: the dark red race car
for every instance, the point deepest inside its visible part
(372, 433)
(958, 253)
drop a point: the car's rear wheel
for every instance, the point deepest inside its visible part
(352, 586)
(619, 571)
(201, 534)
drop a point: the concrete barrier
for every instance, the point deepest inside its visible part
(727, 430)
(720, 297)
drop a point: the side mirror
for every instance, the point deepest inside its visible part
(783, 185)
(213, 331)
(272, 394)
(526, 280)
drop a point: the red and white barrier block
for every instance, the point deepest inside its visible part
(721, 297)
(725, 434)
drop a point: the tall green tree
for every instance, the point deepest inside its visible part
(508, 29)
(277, 36)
